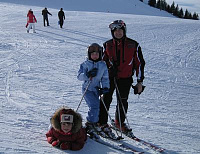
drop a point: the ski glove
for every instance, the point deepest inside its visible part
(65, 146)
(55, 143)
(51, 139)
(92, 73)
(103, 91)
(136, 89)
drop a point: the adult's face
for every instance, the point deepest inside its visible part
(118, 33)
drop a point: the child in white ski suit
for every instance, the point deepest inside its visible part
(94, 73)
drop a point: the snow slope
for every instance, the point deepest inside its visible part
(38, 75)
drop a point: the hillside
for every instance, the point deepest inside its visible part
(118, 6)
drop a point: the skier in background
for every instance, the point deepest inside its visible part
(61, 16)
(31, 21)
(45, 13)
(66, 132)
(29, 11)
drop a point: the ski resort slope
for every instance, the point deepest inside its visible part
(38, 75)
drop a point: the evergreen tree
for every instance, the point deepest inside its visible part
(152, 3)
(158, 5)
(173, 7)
(190, 15)
(168, 9)
(163, 5)
(186, 14)
(195, 16)
(176, 11)
(181, 14)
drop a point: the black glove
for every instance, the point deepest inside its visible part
(103, 91)
(136, 89)
(92, 73)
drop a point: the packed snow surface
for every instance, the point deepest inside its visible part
(38, 75)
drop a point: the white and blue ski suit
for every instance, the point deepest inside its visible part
(101, 80)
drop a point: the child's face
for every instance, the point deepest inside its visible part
(95, 55)
(66, 127)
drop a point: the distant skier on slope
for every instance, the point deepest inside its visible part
(29, 11)
(45, 13)
(31, 21)
(66, 132)
(61, 16)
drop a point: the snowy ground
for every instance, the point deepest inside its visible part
(38, 75)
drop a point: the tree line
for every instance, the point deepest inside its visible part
(173, 9)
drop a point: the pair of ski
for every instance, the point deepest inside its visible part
(123, 146)
(130, 135)
(113, 143)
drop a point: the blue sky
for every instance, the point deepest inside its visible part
(191, 5)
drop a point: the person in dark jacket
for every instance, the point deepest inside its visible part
(45, 13)
(61, 16)
(66, 132)
(123, 57)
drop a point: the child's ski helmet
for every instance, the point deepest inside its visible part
(94, 47)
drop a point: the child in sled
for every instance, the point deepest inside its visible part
(94, 73)
(66, 132)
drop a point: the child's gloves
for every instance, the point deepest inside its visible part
(65, 146)
(103, 90)
(51, 139)
(55, 143)
(92, 73)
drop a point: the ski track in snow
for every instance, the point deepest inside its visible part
(38, 75)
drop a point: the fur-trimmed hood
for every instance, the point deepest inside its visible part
(77, 119)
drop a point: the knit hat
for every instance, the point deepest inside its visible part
(66, 115)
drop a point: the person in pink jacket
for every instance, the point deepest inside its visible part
(31, 20)
(29, 11)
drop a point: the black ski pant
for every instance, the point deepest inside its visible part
(61, 22)
(46, 19)
(124, 86)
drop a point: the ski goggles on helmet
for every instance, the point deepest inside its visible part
(117, 24)
(67, 118)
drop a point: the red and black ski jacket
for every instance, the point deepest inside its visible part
(126, 55)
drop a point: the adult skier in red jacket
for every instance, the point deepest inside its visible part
(123, 57)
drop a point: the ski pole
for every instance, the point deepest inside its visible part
(119, 137)
(120, 99)
(84, 94)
